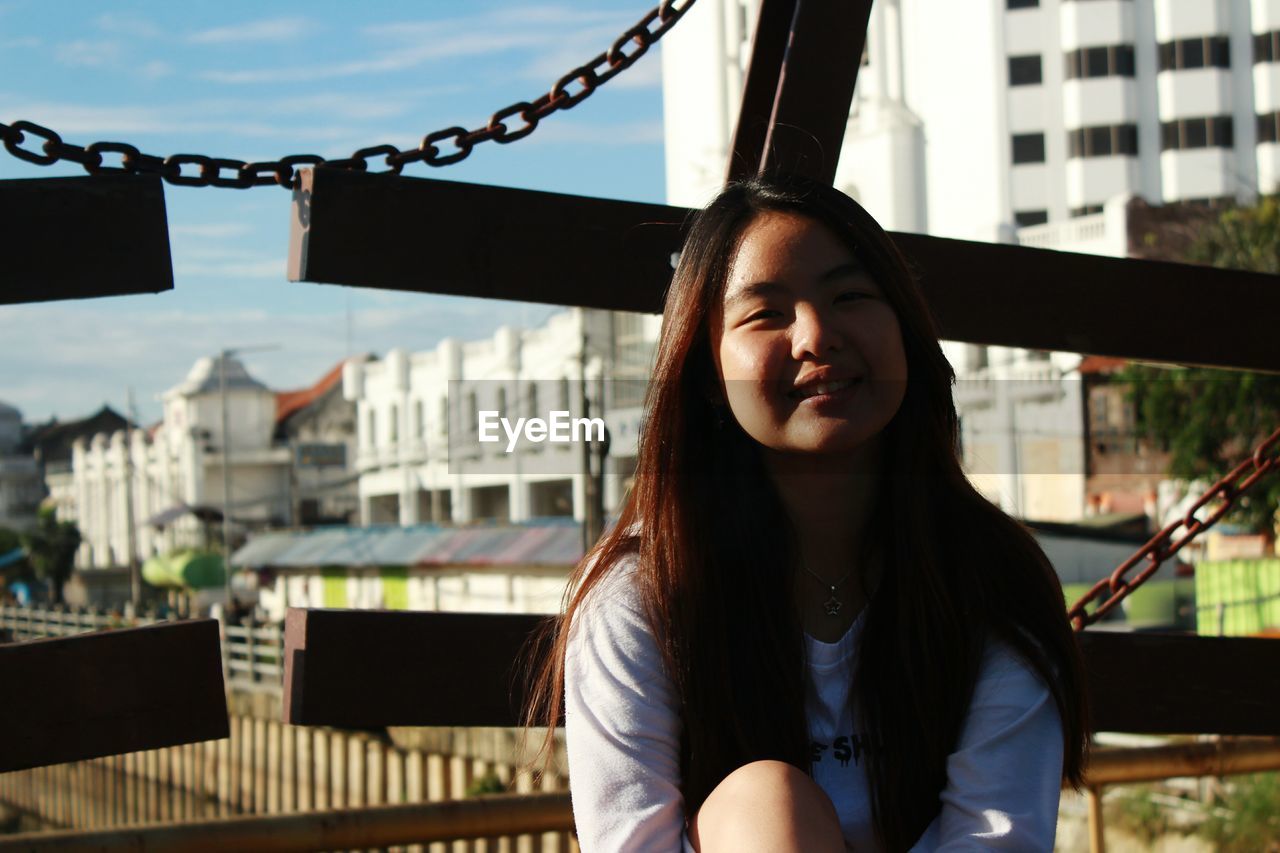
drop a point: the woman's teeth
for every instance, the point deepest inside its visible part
(821, 388)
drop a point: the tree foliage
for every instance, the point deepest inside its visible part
(51, 548)
(1209, 420)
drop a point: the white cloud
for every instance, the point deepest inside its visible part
(99, 355)
(274, 29)
(26, 41)
(225, 268)
(473, 44)
(128, 25)
(155, 69)
(84, 52)
(210, 230)
(567, 34)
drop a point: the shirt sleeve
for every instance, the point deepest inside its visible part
(621, 726)
(1004, 780)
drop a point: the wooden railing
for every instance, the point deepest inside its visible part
(252, 652)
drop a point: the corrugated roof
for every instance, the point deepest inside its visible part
(550, 543)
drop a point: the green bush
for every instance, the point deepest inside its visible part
(1254, 822)
(489, 783)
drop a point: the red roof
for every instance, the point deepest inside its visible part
(1101, 364)
(289, 402)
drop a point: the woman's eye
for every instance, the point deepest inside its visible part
(852, 295)
(766, 314)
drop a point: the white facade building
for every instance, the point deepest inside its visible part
(156, 490)
(409, 404)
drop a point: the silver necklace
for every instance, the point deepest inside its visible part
(833, 603)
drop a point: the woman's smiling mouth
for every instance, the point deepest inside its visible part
(825, 390)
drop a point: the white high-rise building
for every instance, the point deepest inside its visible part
(972, 119)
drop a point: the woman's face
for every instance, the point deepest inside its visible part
(806, 347)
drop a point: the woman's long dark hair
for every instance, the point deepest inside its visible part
(714, 557)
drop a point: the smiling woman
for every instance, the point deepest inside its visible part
(807, 630)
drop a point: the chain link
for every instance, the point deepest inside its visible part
(440, 148)
(1163, 546)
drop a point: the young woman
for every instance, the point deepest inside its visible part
(807, 630)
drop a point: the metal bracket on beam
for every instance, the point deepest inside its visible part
(73, 238)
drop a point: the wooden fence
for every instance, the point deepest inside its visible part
(268, 767)
(252, 653)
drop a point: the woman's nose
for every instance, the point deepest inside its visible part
(813, 333)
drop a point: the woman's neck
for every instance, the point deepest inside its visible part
(829, 502)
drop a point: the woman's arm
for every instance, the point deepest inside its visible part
(1004, 780)
(621, 726)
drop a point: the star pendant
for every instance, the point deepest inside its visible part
(833, 606)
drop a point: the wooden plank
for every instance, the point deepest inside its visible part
(436, 236)
(377, 668)
(1183, 684)
(72, 238)
(426, 235)
(760, 89)
(371, 668)
(106, 693)
(815, 88)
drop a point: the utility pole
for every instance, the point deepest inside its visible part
(131, 542)
(226, 478)
(589, 525)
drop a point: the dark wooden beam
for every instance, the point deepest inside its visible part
(815, 88)
(760, 89)
(361, 669)
(370, 668)
(72, 238)
(1183, 684)
(425, 235)
(90, 695)
(473, 240)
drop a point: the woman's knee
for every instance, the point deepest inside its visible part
(767, 805)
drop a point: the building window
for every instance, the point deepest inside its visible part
(473, 412)
(1209, 132)
(1023, 218)
(1202, 52)
(444, 417)
(1085, 210)
(394, 423)
(564, 394)
(419, 420)
(1024, 70)
(1266, 46)
(502, 402)
(1023, 4)
(1103, 141)
(1114, 60)
(1267, 125)
(1028, 148)
(373, 428)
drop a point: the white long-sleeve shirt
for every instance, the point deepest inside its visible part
(623, 732)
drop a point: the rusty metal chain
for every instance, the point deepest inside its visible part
(29, 141)
(1163, 546)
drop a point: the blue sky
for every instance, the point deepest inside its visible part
(257, 81)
